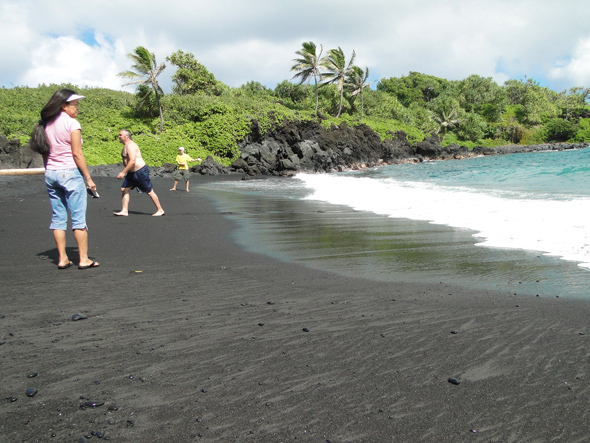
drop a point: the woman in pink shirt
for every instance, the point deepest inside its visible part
(58, 138)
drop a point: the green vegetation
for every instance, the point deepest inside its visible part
(308, 66)
(337, 71)
(210, 118)
(145, 71)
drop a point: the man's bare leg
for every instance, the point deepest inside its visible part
(156, 200)
(124, 212)
(174, 187)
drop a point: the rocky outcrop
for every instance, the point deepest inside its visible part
(306, 146)
(210, 167)
(15, 156)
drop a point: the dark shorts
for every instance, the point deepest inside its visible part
(139, 179)
(182, 174)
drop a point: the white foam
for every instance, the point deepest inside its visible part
(558, 228)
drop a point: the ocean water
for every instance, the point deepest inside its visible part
(518, 223)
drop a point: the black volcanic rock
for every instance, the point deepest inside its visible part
(305, 146)
(15, 156)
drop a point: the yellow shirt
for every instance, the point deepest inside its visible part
(182, 161)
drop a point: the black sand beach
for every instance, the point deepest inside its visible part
(190, 338)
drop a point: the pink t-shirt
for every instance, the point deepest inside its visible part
(59, 134)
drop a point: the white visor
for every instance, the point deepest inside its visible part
(73, 97)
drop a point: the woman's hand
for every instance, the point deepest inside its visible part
(90, 184)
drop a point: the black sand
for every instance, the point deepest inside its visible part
(189, 338)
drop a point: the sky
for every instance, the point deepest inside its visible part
(86, 43)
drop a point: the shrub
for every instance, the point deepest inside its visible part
(583, 134)
(558, 130)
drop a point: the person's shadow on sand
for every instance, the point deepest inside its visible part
(53, 255)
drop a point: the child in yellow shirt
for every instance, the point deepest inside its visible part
(182, 171)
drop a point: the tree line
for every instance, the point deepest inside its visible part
(211, 118)
(469, 111)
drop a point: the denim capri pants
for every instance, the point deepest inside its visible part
(67, 192)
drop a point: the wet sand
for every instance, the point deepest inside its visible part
(187, 337)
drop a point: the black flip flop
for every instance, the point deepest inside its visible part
(91, 265)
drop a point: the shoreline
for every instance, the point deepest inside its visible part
(212, 342)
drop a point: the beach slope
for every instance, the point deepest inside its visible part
(180, 335)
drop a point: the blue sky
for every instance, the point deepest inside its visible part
(255, 40)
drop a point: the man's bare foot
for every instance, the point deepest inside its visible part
(120, 214)
(173, 189)
(158, 214)
(188, 190)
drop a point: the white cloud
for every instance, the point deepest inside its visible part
(576, 70)
(251, 60)
(15, 41)
(256, 40)
(69, 60)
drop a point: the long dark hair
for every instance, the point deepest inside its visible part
(50, 112)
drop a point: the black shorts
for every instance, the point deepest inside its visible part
(139, 179)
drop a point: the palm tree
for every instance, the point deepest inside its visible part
(356, 81)
(336, 70)
(146, 71)
(308, 66)
(446, 115)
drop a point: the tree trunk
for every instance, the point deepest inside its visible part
(316, 93)
(159, 110)
(341, 98)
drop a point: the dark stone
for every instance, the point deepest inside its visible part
(169, 167)
(210, 167)
(92, 404)
(31, 392)
(15, 156)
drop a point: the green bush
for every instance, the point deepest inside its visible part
(583, 133)
(559, 130)
(214, 125)
(532, 136)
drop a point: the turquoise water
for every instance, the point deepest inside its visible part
(538, 175)
(516, 223)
